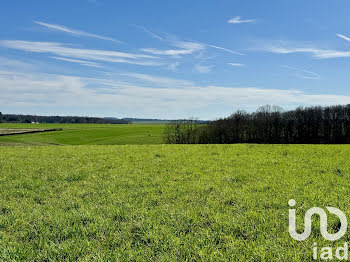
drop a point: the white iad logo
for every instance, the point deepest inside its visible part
(323, 222)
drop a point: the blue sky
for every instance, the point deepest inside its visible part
(171, 59)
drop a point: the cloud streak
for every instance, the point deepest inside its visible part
(65, 29)
(184, 48)
(202, 68)
(344, 37)
(80, 62)
(314, 52)
(238, 20)
(305, 74)
(159, 80)
(225, 49)
(149, 32)
(236, 64)
(58, 49)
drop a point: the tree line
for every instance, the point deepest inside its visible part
(13, 118)
(268, 124)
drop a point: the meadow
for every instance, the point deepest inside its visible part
(85, 134)
(166, 202)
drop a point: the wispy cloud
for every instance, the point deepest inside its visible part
(14, 64)
(315, 52)
(159, 80)
(236, 64)
(149, 32)
(344, 37)
(184, 48)
(225, 49)
(75, 32)
(202, 68)
(173, 66)
(238, 20)
(168, 52)
(301, 73)
(58, 49)
(187, 47)
(81, 62)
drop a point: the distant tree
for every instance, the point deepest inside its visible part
(58, 119)
(181, 132)
(269, 124)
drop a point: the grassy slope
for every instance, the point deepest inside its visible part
(166, 202)
(87, 134)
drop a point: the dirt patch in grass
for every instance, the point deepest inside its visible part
(16, 131)
(11, 144)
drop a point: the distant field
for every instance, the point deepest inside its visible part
(150, 122)
(85, 134)
(161, 122)
(166, 202)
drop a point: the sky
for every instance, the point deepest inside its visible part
(171, 59)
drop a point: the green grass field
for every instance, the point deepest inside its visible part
(166, 202)
(86, 134)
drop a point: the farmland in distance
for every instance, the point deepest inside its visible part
(85, 134)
